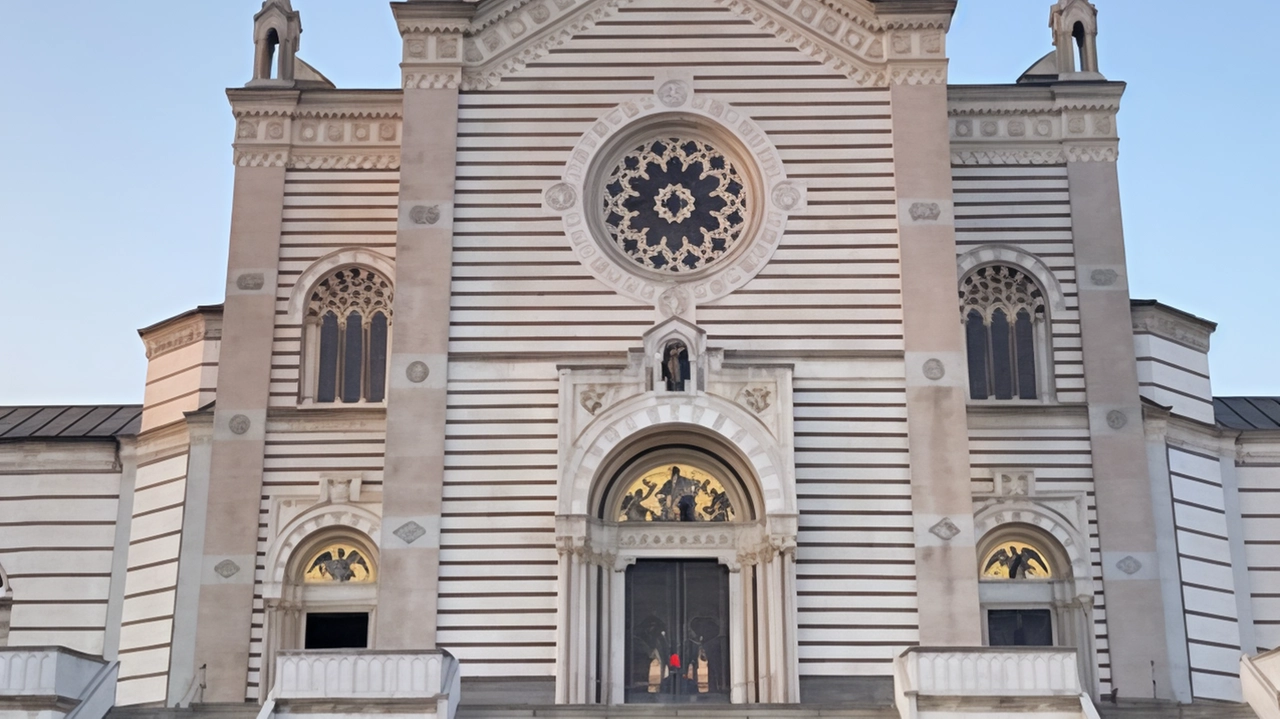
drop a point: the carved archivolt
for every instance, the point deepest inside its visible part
(324, 267)
(1006, 255)
(297, 532)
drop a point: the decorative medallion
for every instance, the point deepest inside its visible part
(925, 211)
(1129, 565)
(787, 197)
(673, 93)
(755, 399)
(592, 400)
(410, 532)
(675, 205)
(934, 369)
(239, 424)
(1104, 278)
(561, 196)
(250, 281)
(425, 214)
(674, 301)
(417, 372)
(226, 568)
(1116, 419)
(946, 530)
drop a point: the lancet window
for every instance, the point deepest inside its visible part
(1005, 330)
(348, 333)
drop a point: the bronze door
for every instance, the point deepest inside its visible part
(677, 647)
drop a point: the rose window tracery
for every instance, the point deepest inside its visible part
(675, 205)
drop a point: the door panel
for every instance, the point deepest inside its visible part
(677, 647)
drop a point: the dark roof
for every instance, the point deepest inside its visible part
(70, 422)
(1247, 412)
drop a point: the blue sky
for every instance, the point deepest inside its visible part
(116, 178)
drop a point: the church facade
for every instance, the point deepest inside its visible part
(660, 353)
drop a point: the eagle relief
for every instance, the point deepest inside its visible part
(1016, 560)
(338, 563)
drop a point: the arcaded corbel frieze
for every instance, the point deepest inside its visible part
(1007, 156)
(1092, 153)
(250, 156)
(917, 73)
(432, 78)
(525, 34)
(337, 160)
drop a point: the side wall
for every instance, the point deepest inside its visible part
(58, 506)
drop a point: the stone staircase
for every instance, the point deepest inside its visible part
(685, 711)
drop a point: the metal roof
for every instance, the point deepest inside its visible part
(1247, 412)
(70, 422)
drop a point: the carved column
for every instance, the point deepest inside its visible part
(1126, 524)
(413, 479)
(225, 605)
(946, 560)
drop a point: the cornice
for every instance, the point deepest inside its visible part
(181, 332)
(300, 160)
(1034, 125)
(529, 32)
(415, 17)
(1191, 332)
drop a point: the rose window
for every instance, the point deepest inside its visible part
(675, 205)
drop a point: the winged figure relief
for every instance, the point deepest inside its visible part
(1018, 562)
(339, 568)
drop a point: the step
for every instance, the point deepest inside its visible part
(1171, 710)
(246, 710)
(685, 711)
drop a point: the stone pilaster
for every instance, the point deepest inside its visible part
(1126, 521)
(946, 561)
(414, 473)
(225, 607)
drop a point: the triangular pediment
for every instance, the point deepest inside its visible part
(848, 36)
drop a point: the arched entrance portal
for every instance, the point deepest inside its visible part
(677, 558)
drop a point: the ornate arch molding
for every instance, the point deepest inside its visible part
(675, 107)
(327, 265)
(1007, 255)
(298, 532)
(770, 460)
(1005, 515)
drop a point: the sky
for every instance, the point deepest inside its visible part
(115, 173)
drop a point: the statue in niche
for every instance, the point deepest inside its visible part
(675, 366)
(633, 504)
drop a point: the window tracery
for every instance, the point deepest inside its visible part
(349, 319)
(675, 205)
(1003, 311)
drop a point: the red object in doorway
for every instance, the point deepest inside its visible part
(675, 661)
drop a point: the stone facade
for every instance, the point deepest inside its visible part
(737, 299)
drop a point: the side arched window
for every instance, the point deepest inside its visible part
(348, 328)
(1005, 326)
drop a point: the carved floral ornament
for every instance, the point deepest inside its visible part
(670, 217)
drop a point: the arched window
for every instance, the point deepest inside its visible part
(348, 325)
(1029, 594)
(1003, 311)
